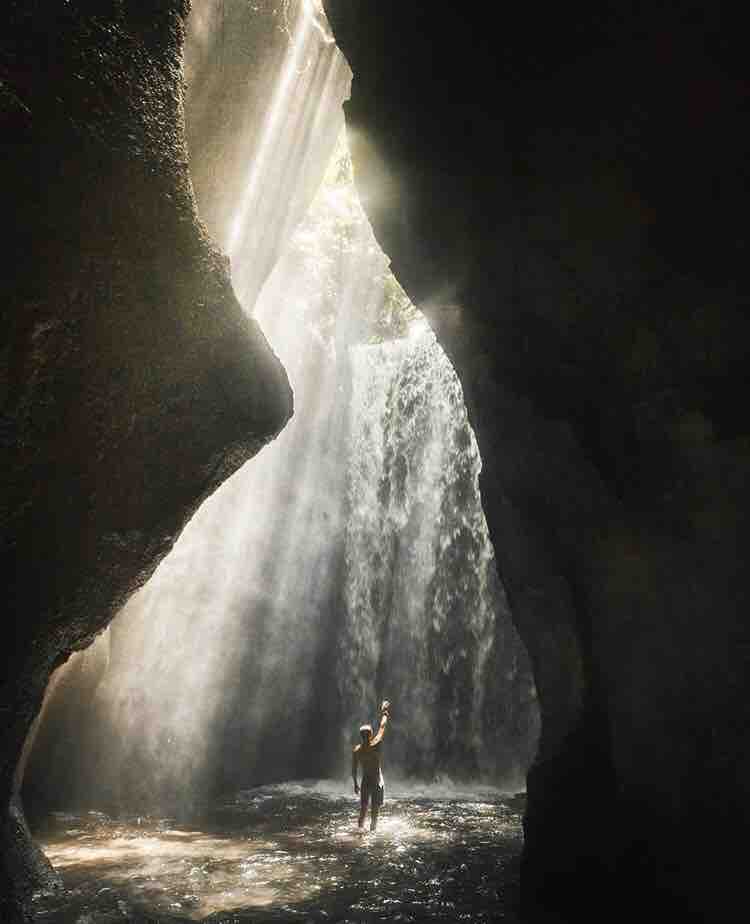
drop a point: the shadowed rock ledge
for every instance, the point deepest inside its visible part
(132, 384)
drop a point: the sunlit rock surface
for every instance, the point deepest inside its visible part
(132, 383)
(565, 194)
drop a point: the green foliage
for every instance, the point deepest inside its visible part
(337, 252)
(396, 313)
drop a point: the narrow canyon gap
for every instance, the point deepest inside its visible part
(350, 561)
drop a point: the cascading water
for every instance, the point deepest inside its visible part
(349, 561)
(422, 596)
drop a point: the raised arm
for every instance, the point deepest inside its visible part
(355, 762)
(384, 709)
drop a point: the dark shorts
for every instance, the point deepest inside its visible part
(374, 791)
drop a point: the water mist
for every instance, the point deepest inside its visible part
(350, 559)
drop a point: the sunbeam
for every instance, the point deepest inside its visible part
(350, 559)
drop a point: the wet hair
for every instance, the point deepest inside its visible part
(365, 730)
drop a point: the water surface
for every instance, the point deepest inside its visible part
(292, 852)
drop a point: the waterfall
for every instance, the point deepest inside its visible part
(421, 590)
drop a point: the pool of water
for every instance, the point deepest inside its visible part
(292, 852)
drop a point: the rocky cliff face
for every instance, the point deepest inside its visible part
(132, 384)
(566, 199)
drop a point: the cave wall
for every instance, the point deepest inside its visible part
(132, 384)
(564, 194)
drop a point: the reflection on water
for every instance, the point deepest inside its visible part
(292, 852)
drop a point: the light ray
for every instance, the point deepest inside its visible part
(277, 111)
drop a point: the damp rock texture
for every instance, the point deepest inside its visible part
(131, 382)
(564, 193)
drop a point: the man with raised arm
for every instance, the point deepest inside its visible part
(367, 755)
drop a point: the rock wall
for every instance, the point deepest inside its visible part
(132, 384)
(564, 194)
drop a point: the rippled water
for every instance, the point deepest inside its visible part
(292, 852)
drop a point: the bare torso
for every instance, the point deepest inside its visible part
(368, 758)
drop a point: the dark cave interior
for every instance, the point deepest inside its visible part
(563, 194)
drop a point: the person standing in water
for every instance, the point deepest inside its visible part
(367, 755)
